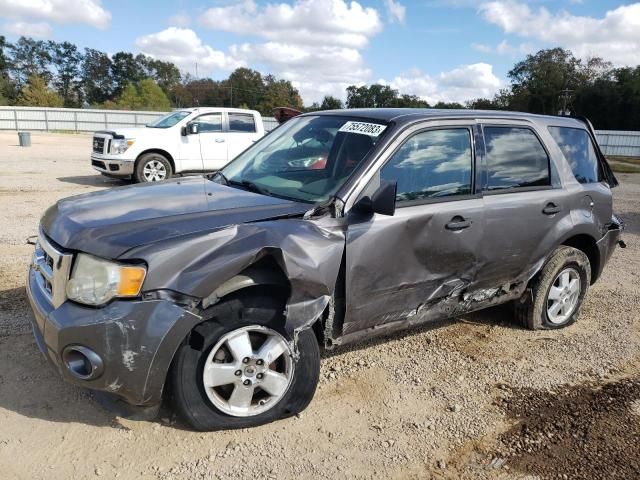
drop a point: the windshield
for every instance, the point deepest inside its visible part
(169, 120)
(307, 159)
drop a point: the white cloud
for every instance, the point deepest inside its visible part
(180, 19)
(184, 48)
(395, 10)
(482, 47)
(316, 44)
(315, 72)
(458, 85)
(88, 12)
(615, 37)
(504, 48)
(35, 30)
(309, 22)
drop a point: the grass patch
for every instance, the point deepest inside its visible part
(624, 168)
(629, 160)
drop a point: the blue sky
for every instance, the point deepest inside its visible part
(437, 49)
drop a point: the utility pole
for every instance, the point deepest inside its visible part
(565, 95)
(231, 94)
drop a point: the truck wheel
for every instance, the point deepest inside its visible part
(152, 167)
(557, 291)
(237, 369)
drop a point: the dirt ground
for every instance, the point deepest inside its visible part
(477, 397)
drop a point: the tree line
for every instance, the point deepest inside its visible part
(51, 74)
(48, 73)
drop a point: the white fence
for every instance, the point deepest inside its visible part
(81, 120)
(84, 120)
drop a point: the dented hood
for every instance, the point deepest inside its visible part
(110, 222)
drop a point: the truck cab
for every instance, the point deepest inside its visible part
(182, 141)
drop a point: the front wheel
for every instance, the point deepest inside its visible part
(152, 167)
(237, 369)
(557, 292)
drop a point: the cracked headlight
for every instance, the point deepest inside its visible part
(95, 281)
(120, 145)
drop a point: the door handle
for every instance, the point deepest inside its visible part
(458, 223)
(219, 140)
(551, 209)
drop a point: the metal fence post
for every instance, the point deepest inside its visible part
(75, 120)
(46, 121)
(15, 117)
(105, 120)
(135, 119)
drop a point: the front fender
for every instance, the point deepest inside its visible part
(308, 253)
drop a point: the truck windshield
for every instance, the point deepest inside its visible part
(307, 159)
(169, 120)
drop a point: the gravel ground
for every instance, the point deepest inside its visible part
(477, 397)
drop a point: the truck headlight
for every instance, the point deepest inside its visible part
(120, 145)
(95, 281)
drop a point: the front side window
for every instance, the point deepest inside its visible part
(577, 148)
(434, 163)
(241, 122)
(307, 159)
(515, 158)
(168, 120)
(210, 122)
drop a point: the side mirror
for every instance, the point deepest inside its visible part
(383, 201)
(189, 129)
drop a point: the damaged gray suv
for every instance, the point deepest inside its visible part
(219, 290)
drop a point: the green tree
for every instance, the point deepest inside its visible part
(126, 69)
(372, 96)
(244, 86)
(165, 74)
(277, 93)
(96, 78)
(330, 102)
(67, 60)
(410, 101)
(147, 95)
(29, 57)
(36, 93)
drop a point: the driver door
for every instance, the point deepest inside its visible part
(399, 266)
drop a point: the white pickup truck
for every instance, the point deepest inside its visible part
(183, 141)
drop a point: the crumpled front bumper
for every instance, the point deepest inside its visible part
(136, 341)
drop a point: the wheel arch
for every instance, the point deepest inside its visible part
(588, 245)
(159, 151)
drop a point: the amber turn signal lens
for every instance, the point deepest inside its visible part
(131, 279)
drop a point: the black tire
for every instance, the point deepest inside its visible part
(531, 311)
(239, 310)
(148, 158)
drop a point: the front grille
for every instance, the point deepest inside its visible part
(51, 268)
(98, 144)
(99, 164)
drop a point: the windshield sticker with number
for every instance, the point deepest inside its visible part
(363, 128)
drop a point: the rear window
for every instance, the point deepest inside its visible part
(577, 147)
(515, 158)
(241, 122)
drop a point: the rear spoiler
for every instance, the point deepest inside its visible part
(606, 168)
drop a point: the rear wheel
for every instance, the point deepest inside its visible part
(237, 369)
(557, 291)
(152, 167)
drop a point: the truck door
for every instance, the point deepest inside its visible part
(213, 142)
(242, 132)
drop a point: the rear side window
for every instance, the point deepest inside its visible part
(241, 122)
(515, 158)
(434, 163)
(577, 148)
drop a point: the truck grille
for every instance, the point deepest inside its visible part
(51, 268)
(98, 144)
